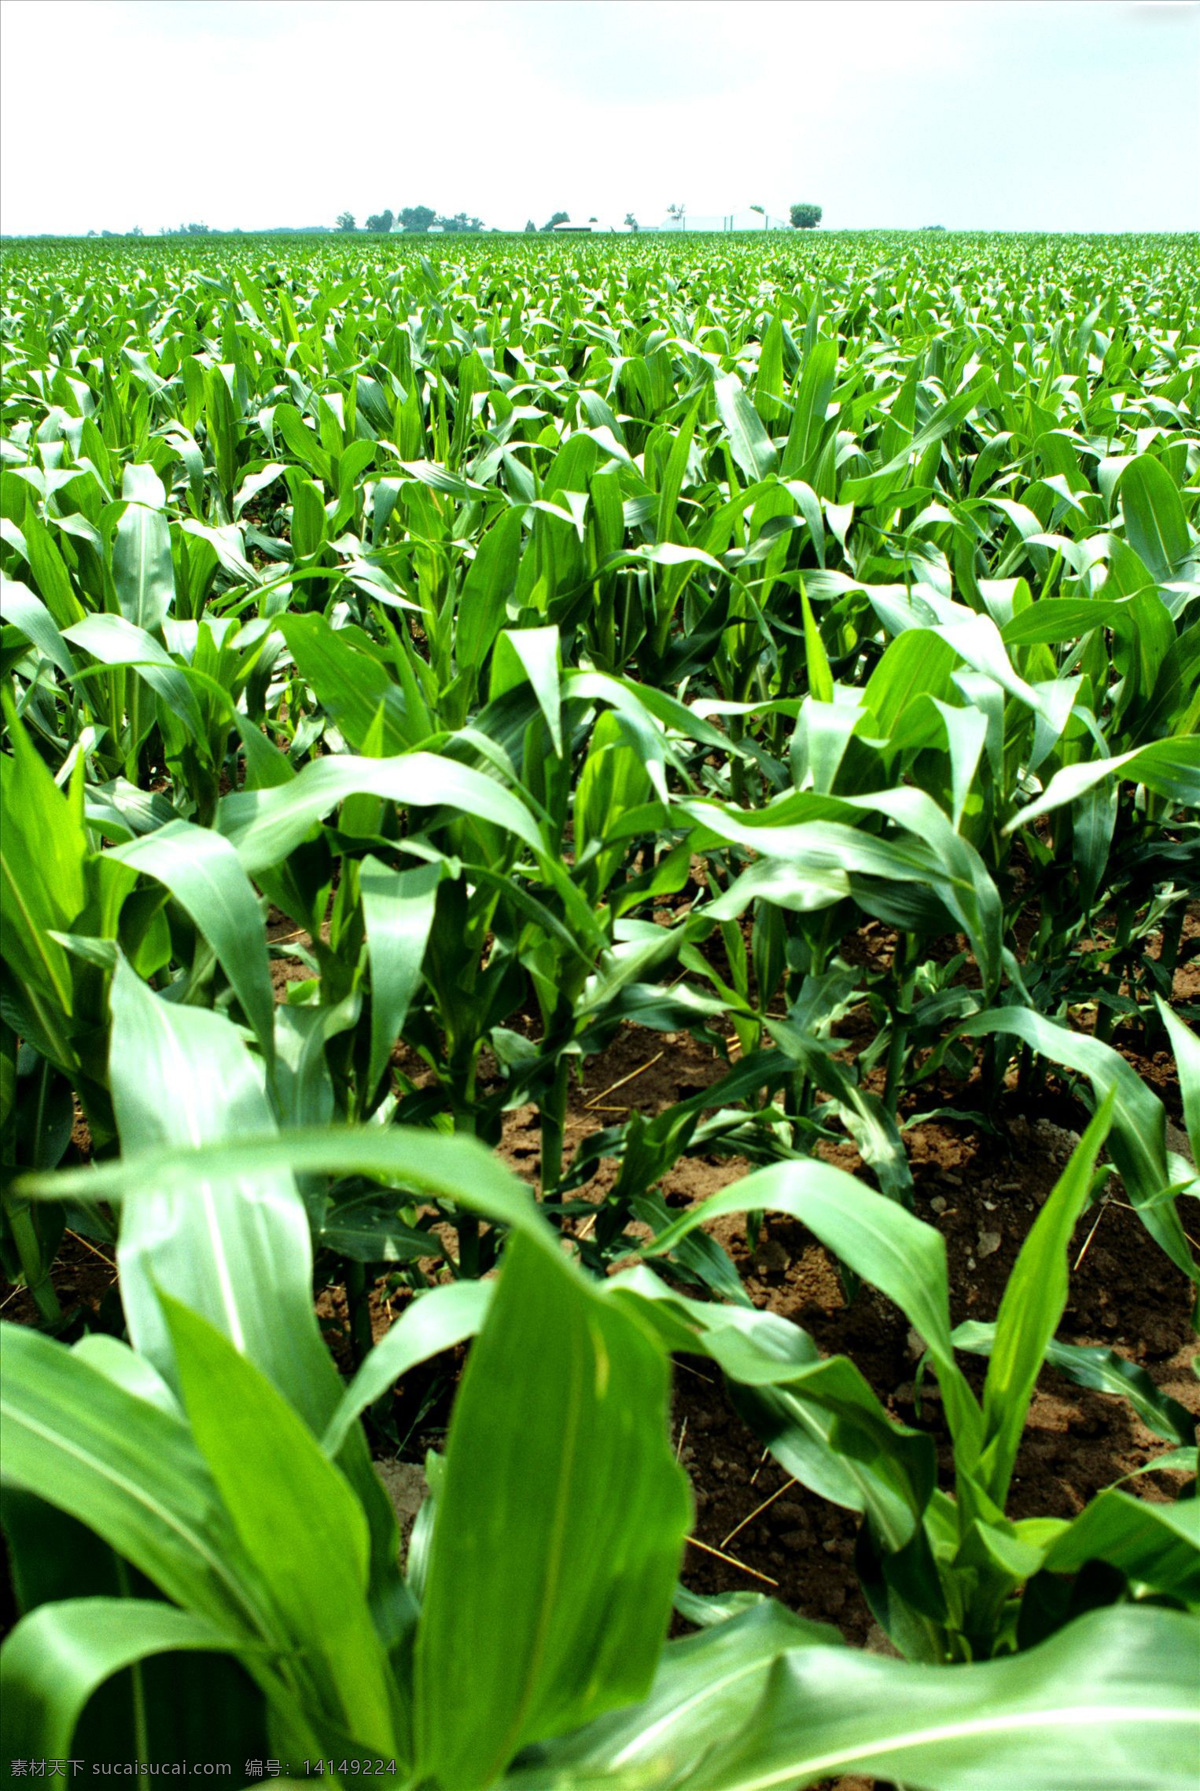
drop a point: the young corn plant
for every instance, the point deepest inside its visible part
(189, 1456)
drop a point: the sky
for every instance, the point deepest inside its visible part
(976, 114)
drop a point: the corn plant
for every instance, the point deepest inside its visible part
(193, 1453)
(559, 636)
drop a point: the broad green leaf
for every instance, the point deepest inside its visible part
(204, 875)
(436, 1321)
(532, 653)
(266, 825)
(1186, 1047)
(1158, 1545)
(398, 909)
(42, 852)
(1106, 1705)
(115, 640)
(129, 1470)
(1138, 1139)
(818, 1418)
(1100, 1368)
(141, 562)
(1154, 517)
(701, 1681)
(752, 447)
(350, 682)
(296, 1519)
(810, 403)
(895, 1252)
(1030, 1311)
(233, 1246)
(1171, 768)
(537, 1634)
(457, 1169)
(61, 1653)
(23, 609)
(482, 605)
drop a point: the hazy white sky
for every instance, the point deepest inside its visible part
(991, 114)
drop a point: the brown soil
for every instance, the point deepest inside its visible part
(982, 1192)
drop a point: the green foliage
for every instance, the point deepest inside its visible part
(417, 217)
(562, 636)
(805, 217)
(253, 1517)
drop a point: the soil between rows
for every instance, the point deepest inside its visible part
(981, 1190)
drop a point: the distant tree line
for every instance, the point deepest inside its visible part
(412, 218)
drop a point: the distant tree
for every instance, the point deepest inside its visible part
(381, 220)
(677, 214)
(194, 230)
(460, 221)
(933, 226)
(346, 221)
(137, 231)
(530, 227)
(631, 222)
(560, 217)
(805, 217)
(106, 233)
(417, 217)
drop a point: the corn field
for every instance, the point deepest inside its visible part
(434, 683)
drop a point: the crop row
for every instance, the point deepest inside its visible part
(555, 639)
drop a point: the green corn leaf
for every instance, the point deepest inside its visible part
(61, 1653)
(531, 653)
(1171, 768)
(42, 852)
(398, 910)
(143, 574)
(752, 447)
(457, 1169)
(1186, 1047)
(809, 406)
(820, 678)
(1154, 517)
(436, 1321)
(1095, 1366)
(1158, 1545)
(1138, 1140)
(22, 609)
(130, 1471)
(266, 825)
(297, 1521)
(512, 1606)
(350, 682)
(899, 1254)
(491, 577)
(234, 1247)
(1030, 1311)
(50, 573)
(204, 875)
(1107, 1705)
(115, 640)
